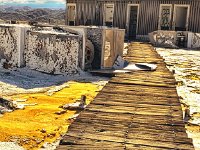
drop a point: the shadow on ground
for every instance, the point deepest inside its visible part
(29, 79)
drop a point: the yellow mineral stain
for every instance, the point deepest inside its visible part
(35, 125)
(193, 77)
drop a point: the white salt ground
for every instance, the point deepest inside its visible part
(186, 64)
(24, 80)
(10, 146)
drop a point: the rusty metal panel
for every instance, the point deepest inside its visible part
(119, 42)
(108, 50)
(113, 46)
(148, 13)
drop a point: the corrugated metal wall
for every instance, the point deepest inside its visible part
(148, 13)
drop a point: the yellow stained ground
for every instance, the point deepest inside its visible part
(28, 126)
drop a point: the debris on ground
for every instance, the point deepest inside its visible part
(121, 64)
(6, 106)
(77, 105)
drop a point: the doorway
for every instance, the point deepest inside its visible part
(71, 14)
(132, 20)
(165, 17)
(181, 15)
(108, 14)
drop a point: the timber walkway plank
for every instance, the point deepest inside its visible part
(139, 110)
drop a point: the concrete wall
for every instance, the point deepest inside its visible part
(9, 44)
(81, 31)
(169, 39)
(163, 38)
(194, 40)
(52, 53)
(12, 43)
(44, 50)
(59, 50)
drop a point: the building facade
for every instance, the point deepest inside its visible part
(138, 17)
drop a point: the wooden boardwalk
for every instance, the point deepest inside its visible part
(139, 111)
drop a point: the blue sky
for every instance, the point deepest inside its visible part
(35, 3)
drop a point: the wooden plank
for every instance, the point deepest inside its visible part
(71, 142)
(138, 98)
(134, 101)
(164, 145)
(133, 110)
(143, 147)
(140, 110)
(104, 146)
(129, 82)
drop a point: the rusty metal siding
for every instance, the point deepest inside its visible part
(148, 13)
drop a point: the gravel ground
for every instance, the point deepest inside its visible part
(186, 64)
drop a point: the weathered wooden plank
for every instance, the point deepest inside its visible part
(137, 90)
(138, 98)
(144, 147)
(138, 104)
(151, 80)
(126, 92)
(133, 110)
(164, 103)
(140, 110)
(112, 137)
(156, 123)
(156, 143)
(135, 87)
(71, 142)
(90, 147)
(129, 82)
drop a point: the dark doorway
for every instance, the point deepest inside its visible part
(71, 14)
(181, 18)
(132, 31)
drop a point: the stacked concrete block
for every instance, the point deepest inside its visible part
(54, 53)
(9, 44)
(78, 30)
(193, 40)
(60, 50)
(96, 43)
(49, 51)
(164, 38)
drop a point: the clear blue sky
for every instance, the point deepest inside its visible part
(36, 3)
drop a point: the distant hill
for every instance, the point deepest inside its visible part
(29, 14)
